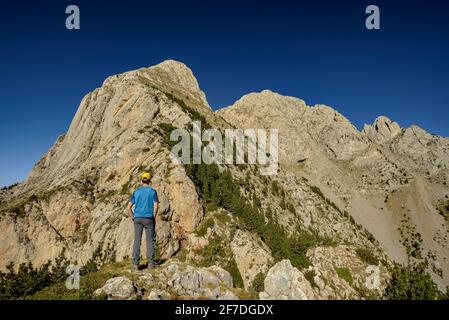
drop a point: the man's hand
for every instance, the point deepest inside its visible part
(130, 210)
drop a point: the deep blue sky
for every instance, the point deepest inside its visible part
(319, 51)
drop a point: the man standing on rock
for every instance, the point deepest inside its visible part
(146, 205)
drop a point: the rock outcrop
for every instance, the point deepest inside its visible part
(382, 130)
(172, 281)
(284, 282)
(251, 256)
(371, 176)
(119, 288)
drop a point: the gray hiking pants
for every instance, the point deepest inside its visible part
(139, 225)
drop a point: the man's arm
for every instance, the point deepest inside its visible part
(130, 210)
(155, 208)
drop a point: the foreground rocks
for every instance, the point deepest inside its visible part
(118, 288)
(173, 281)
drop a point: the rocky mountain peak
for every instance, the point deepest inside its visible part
(170, 76)
(382, 130)
(266, 98)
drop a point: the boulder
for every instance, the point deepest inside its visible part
(285, 282)
(118, 288)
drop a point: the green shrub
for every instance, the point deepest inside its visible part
(411, 283)
(165, 129)
(88, 284)
(9, 187)
(18, 210)
(28, 280)
(367, 256)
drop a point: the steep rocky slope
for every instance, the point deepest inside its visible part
(338, 190)
(391, 180)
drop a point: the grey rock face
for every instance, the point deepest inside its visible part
(119, 288)
(157, 294)
(382, 130)
(210, 283)
(172, 281)
(284, 282)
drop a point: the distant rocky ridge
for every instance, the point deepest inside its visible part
(383, 189)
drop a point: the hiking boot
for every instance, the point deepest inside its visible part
(152, 265)
(135, 267)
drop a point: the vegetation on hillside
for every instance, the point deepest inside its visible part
(218, 188)
(48, 280)
(28, 280)
(9, 187)
(411, 283)
(366, 255)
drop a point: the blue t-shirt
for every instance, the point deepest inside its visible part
(143, 199)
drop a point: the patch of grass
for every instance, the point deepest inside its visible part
(158, 254)
(211, 253)
(231, 267)
(223, 217)
(345, 274)
(259, 282)
(202, 230)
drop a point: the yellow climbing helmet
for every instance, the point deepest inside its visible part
(146, 176)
